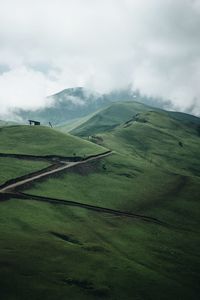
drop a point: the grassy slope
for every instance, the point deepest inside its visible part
(144, 153)
(109, 118)
(39, 140)
(183, 117)
(160, 140)
(105, 257)
(12, 168)
(118, 113)
(110, 257)
(70, 125)
(150, 174)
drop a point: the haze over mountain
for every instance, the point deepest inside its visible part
(78, 102)
(49, 45)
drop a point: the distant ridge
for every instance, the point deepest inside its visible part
(78, 102)
(120, 112)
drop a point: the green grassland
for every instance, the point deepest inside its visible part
(109, 118)
(12, 167)
(115, 182)
(61, 252)
(41, 141)
(162, 157)
(70, 125)
(151, 174)
(158, 139)
(53, 252)
(118, 113)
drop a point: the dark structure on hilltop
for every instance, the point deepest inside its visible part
(32, 122)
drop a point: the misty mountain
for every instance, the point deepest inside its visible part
(78, 102)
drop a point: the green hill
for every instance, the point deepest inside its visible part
(121, 112)
(40, 140)
(79, 102)
(70, 125)
(109, 118)
(154, 171)
(185, 118)
(57, 252)
(149, 147)
(159, 139)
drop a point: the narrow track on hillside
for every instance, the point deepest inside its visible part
(55, 201)
(10, 190)
(40, 174)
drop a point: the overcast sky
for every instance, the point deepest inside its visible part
(49, 45)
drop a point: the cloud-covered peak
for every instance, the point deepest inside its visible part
(47, 46)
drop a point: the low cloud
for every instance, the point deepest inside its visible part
(22, 87)
(47, 46)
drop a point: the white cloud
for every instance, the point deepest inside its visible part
(50, 45)
(22, 87)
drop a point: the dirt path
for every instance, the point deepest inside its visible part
(8, 191)
(65, 165)
(55, 201)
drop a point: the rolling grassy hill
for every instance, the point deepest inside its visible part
(158, 139)
(53, 252)
(79, 102)
(42, 141)
(62, 252)
(70, 125)
(155, 172)
(120, 112)
(109, 118)
(151, 148)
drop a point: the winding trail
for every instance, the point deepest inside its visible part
(10, 190)
(55, 201)
(64, 165)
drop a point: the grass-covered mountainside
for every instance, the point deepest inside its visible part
(69, 104)
(79, 102)
(117, 113)
(41, 140)
(66, 127)
(109, 118)
(60, 250)
(149, 148)
(158, 139)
